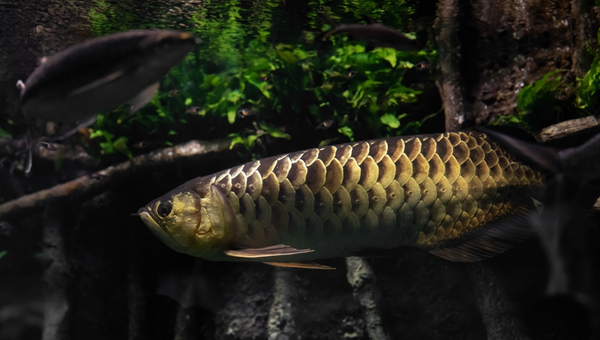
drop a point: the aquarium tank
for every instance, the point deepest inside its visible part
(299, 169)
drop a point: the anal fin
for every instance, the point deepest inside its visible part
(492, 239)
(302, 265)
(265, 252)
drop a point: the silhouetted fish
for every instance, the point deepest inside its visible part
(375, 35)
(100, 74)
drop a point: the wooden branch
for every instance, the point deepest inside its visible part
(92, 184)
(568, 128)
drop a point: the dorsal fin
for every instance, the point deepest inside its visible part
(494, 238)
(539, 157)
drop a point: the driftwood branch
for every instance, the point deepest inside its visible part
(92, 184)
(568, 128)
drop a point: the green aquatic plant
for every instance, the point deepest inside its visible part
(540, 97)
(247, 86)
(107, 18)
(540, 103)
(248, 137)
(587, 91)
(4, 133)
(3, 253)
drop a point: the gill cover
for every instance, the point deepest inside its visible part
(191, 224)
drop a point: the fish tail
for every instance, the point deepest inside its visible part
(567, 197)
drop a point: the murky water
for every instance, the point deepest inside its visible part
(263, 78)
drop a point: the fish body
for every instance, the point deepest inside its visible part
(102, 73)
(245, 112)
(375, 35)
(457, 195)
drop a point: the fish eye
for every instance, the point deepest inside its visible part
(164, 209)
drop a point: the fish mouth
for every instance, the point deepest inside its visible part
(145, 215)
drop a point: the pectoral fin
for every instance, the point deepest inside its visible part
(271, 251)
(20, 85)
(309, 265)
(104, 80)
(144, 97)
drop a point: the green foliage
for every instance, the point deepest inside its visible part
(290, 82)
(544, 102)
(541, 94)
(107, 18)
(248, 137)
(3, 253)
(4, 134)
(539, 104)
(112, 145)
(538, 99)
(587, 91)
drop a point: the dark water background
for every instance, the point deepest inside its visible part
(87, 270)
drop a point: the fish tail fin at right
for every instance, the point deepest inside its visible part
(568, 198)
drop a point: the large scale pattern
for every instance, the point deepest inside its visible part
(420, 191)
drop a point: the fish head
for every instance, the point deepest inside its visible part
(191, 223)
(164, 49)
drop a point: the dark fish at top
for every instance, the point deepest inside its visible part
(100, 74)
(375, 35)
(456, 195)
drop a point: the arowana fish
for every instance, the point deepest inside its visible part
(456, 195)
